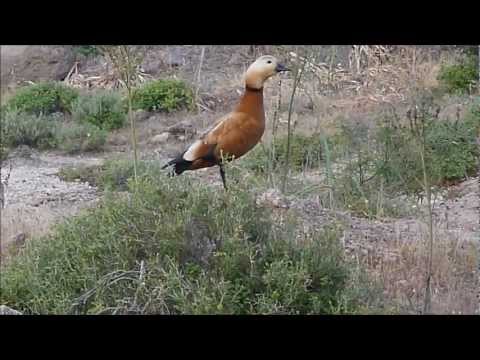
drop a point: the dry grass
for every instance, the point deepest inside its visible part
(34, 222)
(31, 221)
(5, 95)
(326, 97)
(400, 271)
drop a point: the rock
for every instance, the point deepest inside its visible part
(38, 63)
(160, 138)
(18, 242)
(19, 239)
(236, 58)
(174, 57)
(152, 67)
(23, 151)
(181, 128)
(5, 310)
(273, 198)
(199, 246)
(181, 138)
(118, 140)
(142, 115)
(157, 118)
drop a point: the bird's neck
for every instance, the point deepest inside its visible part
(252, 102)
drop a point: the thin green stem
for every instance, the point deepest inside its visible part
(428, 193)
(298, 75)
(134, 134)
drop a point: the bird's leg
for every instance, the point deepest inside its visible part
(222, 174)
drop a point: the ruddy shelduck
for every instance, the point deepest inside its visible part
(237, 132)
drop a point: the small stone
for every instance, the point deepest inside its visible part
(19, 239)
(274, 198)
(141, 115)
(160, 138)
(152, 67)
(181, 128)
(199, 245)
(5, 310)
(174, 57)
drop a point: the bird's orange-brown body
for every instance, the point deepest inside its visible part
(236, 133)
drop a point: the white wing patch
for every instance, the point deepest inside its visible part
(213, 127)
(190, 153)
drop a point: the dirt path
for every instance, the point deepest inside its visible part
(34, 196)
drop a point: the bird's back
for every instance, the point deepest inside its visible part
(232, 135)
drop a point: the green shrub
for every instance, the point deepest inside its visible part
(461, 77)
(43, 98)
(112, 175)
(306, 152)
(370, 199)
(84, 173)
(116, 173)
(49, 131)
(75, 137)
(175, 248)
(398, 161)
(163, 95)
(258, 159)
(4, 151)
(472, 117)
(383, 163)
(18, 128)
(453, 150)
(102, 109)
(450, 154)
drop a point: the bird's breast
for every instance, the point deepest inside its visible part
(243, 139)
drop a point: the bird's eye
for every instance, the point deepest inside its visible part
(269, 61)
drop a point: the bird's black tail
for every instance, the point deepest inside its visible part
(179, 165)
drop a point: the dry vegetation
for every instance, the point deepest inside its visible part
(343, 182)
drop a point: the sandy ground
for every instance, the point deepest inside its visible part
(34, 196)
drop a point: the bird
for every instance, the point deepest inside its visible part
(236, 133)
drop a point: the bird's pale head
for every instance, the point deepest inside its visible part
(262, 69)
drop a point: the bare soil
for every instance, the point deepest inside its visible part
(35, 198)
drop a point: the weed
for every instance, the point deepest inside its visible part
(460, 77)
(20, 128)
(73, 137)
(163, 95)
(129, 255)
(102, 109)
(43, 98)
